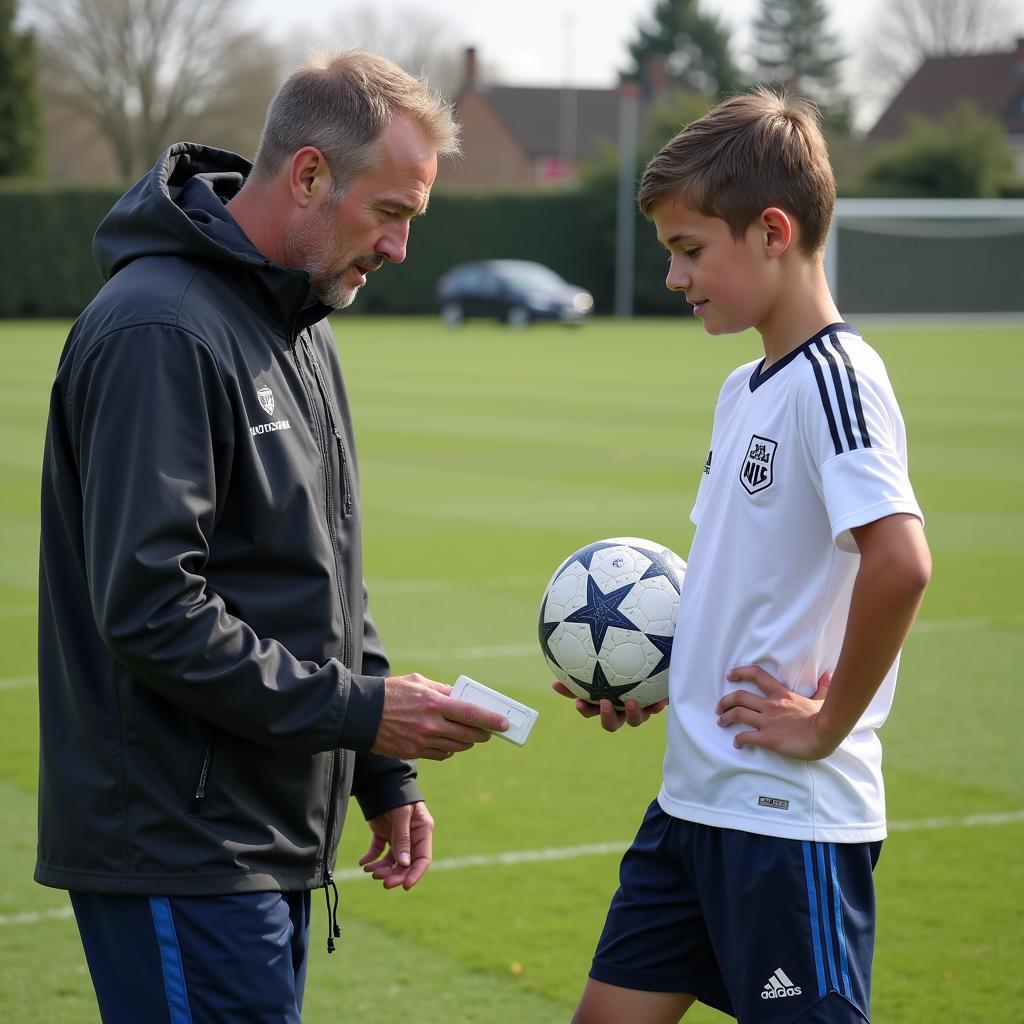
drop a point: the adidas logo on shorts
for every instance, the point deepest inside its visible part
(779, 986)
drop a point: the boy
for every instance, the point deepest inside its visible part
(749, 884)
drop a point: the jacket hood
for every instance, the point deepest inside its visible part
(178, 209)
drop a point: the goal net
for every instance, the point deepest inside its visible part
(927, 256)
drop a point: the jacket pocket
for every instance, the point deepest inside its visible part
(203, 781)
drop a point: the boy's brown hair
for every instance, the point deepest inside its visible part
(752, 151)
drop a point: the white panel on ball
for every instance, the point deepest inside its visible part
(607, 619)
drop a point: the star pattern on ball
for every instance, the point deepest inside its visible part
(600, 689)
(586, 555)
(544, 631)
(601, 611)
(664, 645)
(662, 564)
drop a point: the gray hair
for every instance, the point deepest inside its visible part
(340, 105)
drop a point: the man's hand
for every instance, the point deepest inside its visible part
(781, 720)
(421, 720)
(612, 718)
(401, 848)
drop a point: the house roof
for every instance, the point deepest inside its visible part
(993, 81)
(534, 117)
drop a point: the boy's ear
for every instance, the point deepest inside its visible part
(778, 231)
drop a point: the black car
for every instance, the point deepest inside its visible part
(516, 291)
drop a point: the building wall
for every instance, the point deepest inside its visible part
(491, 158)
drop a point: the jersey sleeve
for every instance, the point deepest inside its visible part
(854, 438)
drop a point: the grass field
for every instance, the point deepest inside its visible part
(487, 456)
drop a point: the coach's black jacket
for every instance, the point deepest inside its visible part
(207, 665)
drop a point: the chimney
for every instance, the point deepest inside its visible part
(655, 74)
(469, 70)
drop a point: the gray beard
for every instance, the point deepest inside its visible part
(334, 294)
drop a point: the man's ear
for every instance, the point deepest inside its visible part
(778, 230)
(308, 175)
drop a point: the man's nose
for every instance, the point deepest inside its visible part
(394, 242)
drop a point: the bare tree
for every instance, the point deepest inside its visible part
(421, 43)
(139, 70)
(905, 32)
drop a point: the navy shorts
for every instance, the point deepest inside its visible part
(768, 930)
(238, 959)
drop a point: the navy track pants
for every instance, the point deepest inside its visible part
(237, 959)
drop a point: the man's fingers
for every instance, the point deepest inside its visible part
(437, 753)
(415, 872)
(373, 851)
(474, 715)
(400, 840)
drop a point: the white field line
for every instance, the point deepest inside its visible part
(17, 682)
(17, 610)
(560, 853)
(530, 650)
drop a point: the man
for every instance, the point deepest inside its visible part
(211, 684)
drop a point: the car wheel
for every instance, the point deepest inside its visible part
(517, 316)
(452, 314)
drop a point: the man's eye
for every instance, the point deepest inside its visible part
(692, 253)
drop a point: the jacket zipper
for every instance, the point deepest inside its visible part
(321, 442)
(337, 758)
(204, 773)
(346, 487)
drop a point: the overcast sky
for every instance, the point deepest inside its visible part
(542, 42)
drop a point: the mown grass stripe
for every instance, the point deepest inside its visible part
(513, 857)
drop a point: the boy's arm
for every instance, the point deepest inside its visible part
(895, 566)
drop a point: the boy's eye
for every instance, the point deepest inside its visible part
(692, 253)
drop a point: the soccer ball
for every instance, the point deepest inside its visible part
(607, 619)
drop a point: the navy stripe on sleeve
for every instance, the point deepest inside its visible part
(858, 408)
(843, 407)
(844, 412)
(825, 401)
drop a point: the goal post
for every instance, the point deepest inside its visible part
(922, 256)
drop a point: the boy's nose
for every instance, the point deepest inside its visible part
(677, 281)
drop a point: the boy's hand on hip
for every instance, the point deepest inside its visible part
(780, 720)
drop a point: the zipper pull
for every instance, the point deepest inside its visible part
(333, 928)
(346, 484)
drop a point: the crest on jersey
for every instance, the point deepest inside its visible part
(757, 471)
(266, 397)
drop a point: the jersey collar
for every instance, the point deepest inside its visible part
(757, 378)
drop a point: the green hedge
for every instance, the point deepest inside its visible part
(47, 239)
(49, 270)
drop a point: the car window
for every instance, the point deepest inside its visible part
(531, 275)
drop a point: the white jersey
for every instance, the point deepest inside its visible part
(800, 454)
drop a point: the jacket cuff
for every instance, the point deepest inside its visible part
(383, 784)
(363, 712)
